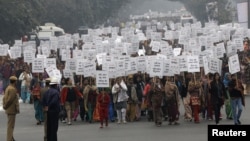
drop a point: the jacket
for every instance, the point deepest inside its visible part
(10, 100)
(64, 93)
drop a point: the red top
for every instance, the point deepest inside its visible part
(103, 100)
(146, 89)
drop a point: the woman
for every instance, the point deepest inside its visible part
(236, 90)
(103, 99)
(195, 91)
(69, 98)
(156, 95)
(25, 77)
(218, 92)
(90, 95)
(119, 92)
(228, 109)
(172, 98)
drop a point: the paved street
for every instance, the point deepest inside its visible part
(27, 130)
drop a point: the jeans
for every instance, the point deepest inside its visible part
(25, 95)
(237, 109)
(38, 110)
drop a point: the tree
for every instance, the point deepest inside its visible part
(198, 9)
(18, 17)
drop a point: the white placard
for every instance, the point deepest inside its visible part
(183, 63)
(4, 50)
(215, 65)
(193, 64)
(38, 65)
(89, 68)
(205, 65)
(156, 68)
(28, 56)
(166, 68)
(77, 54)
(112, 70)
(133, 66)
(71, 64)
(234, 64)
(177, 51)
(102, 79)
(141, 63)
(50, 62)
(174, 66)
(80, 67)
(67, 74)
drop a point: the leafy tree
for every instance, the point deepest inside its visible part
(17, 17)
(198, 9)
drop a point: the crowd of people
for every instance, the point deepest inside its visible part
(128, 98)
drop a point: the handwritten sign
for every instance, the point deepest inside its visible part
(193, 64)
(38, 65)
(234, 64)
(156, 68)
(102, 79)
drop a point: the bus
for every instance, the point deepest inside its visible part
(49, 30)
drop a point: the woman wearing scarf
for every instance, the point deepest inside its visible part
(195, 91)
(172, 98)
(228, 108)
(69, 98)
(156, 95)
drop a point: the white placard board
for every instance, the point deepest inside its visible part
(234, 64)
(50, 62)
(28, 56)
(38, 65)
(80, 67)
(102, 79)
(193, 64)
(156, 68)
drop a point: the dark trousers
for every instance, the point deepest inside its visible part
(82, 109)
(52, 125)
(217, 108)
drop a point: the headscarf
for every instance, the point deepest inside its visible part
(226, 80)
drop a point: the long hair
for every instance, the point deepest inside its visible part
(214, 78)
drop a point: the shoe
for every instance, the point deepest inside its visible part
(176, 123)
(101, 126)
(74, 119)
(63, 121)
(170, 123)
(118, 122)
(38, 123)
(124, 122)
(158, 124)
(69, 123)
(197, 122)
(239, 122)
